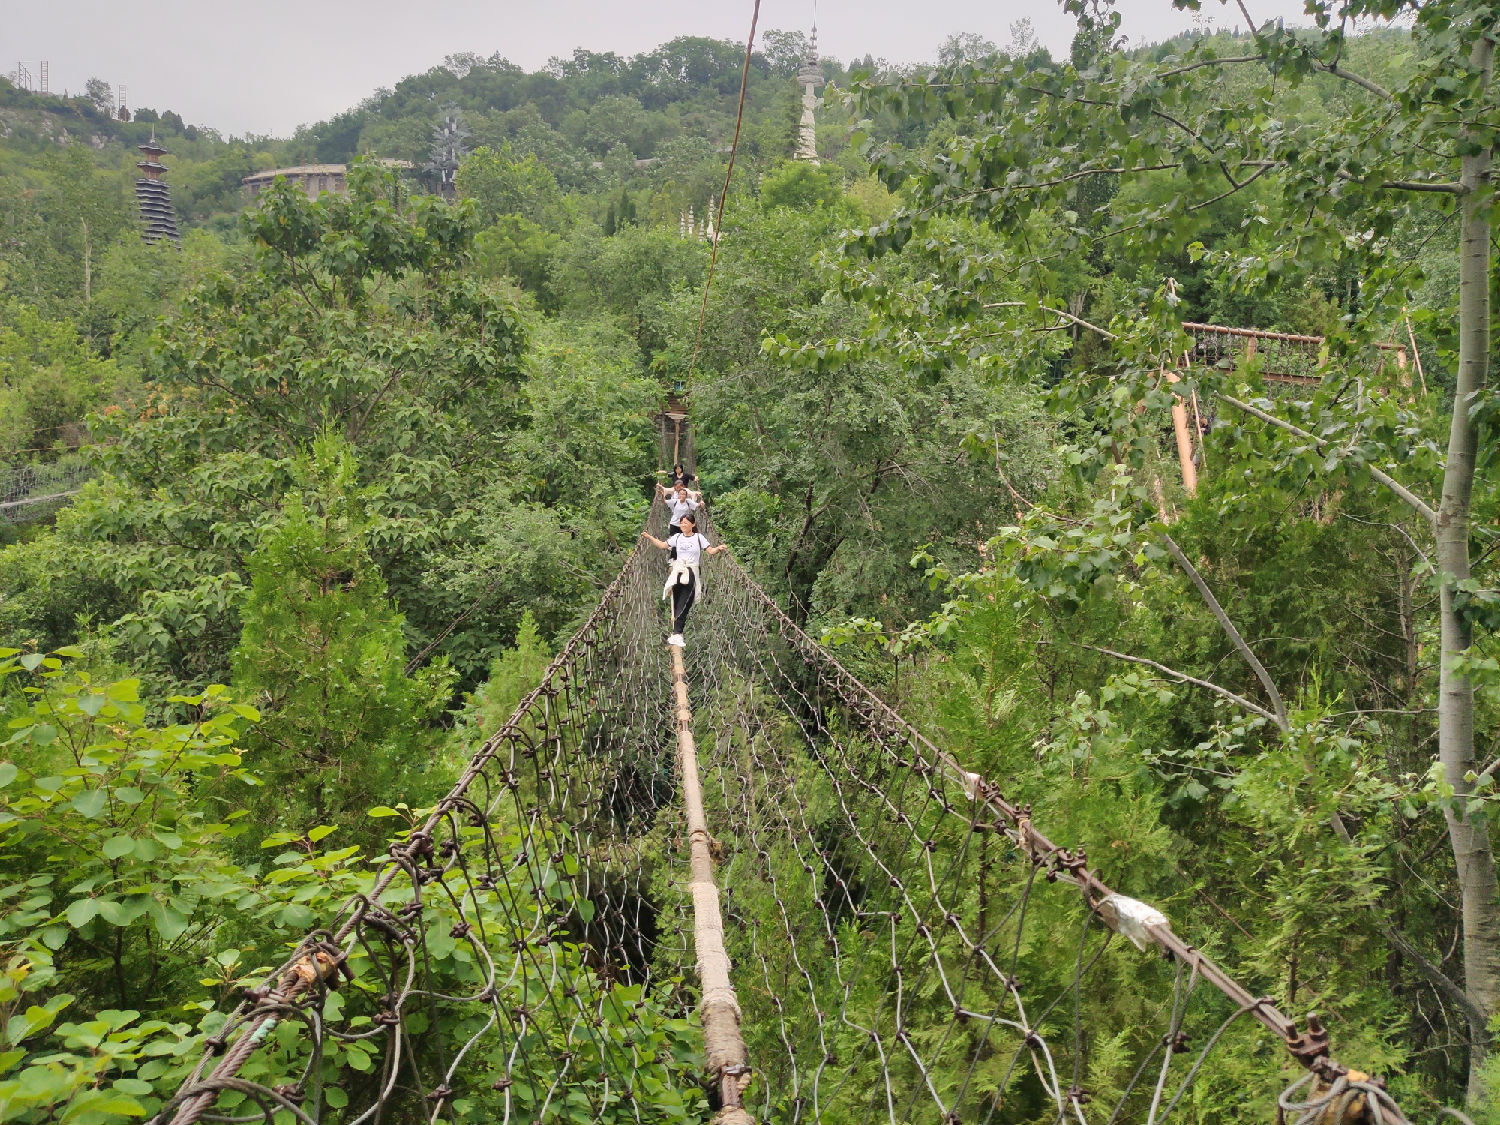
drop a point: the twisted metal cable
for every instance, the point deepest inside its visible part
(900, 919)
(904, 944)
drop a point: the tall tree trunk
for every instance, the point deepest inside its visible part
(1472, 852)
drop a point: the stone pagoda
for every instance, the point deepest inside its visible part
(153, 197)
(810, 77)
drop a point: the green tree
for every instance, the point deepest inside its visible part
(49, 382)
(797, 183)
(517, 248)
(828, 473)
(53, 234)
(323, 653)
(101, 93)
(965, 48)
(118, 884)
(355, 316)
(629, 274)
(139, 282)
(502, 184)
(556, 523)
(1347, 159)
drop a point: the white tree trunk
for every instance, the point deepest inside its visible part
(1472, 851)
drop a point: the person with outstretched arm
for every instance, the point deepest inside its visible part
(683, 581)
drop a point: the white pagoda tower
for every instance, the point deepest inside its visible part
(810, 76)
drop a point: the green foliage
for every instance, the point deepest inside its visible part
(551, 530)
(515, 672)
(331, 441)
(125, 910)
(798, 184)
(49, 381)
(357, 317)
(631, 275)
(53, 234)
(502, 184)
(118, 882)
(520, 249)
(832, 462)
(139, 282)
(322, 652)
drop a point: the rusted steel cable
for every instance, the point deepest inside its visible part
(832, 690)
(1059, 863)
(908, 945)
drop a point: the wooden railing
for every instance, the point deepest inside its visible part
(1284, 356)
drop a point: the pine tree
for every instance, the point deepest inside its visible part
(322, 653)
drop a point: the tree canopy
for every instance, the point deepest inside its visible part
(994, 399)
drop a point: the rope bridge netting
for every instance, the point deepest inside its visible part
(543, 946)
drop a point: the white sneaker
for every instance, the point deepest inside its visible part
(676, 639)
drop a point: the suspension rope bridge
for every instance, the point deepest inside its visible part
(36, 491)
(735, 884)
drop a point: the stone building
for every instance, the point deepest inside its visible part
(312, 179)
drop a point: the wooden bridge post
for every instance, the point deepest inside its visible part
(1184, 439)
(719, 1009)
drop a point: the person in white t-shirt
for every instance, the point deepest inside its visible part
(688, 548)
(680, 501)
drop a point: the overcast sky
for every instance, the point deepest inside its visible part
(267, 66)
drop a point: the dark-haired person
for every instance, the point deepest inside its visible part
(683, 581)
(679, 473)
(680, 502)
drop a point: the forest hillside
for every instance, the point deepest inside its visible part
(1122, 422)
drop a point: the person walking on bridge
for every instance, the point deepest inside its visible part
(680, 502)
(683, 581)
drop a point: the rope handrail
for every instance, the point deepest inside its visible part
(318, 957)
(1063, 864)
(898, 929)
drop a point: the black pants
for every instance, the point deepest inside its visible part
(673, 529)
(683, 596)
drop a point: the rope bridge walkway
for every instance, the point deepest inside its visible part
(731, 884)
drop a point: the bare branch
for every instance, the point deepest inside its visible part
(1422, 185)
(1184, 678)
(1332, 68)
(1210, 62)
(1349, 76)
(1107, 172)
(1239, 185)
(1420, 506)
(1108, 335)
(1280, 717)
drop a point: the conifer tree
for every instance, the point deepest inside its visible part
(322, 652)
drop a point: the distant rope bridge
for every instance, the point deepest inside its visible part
(34, 492)
(735, 885)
